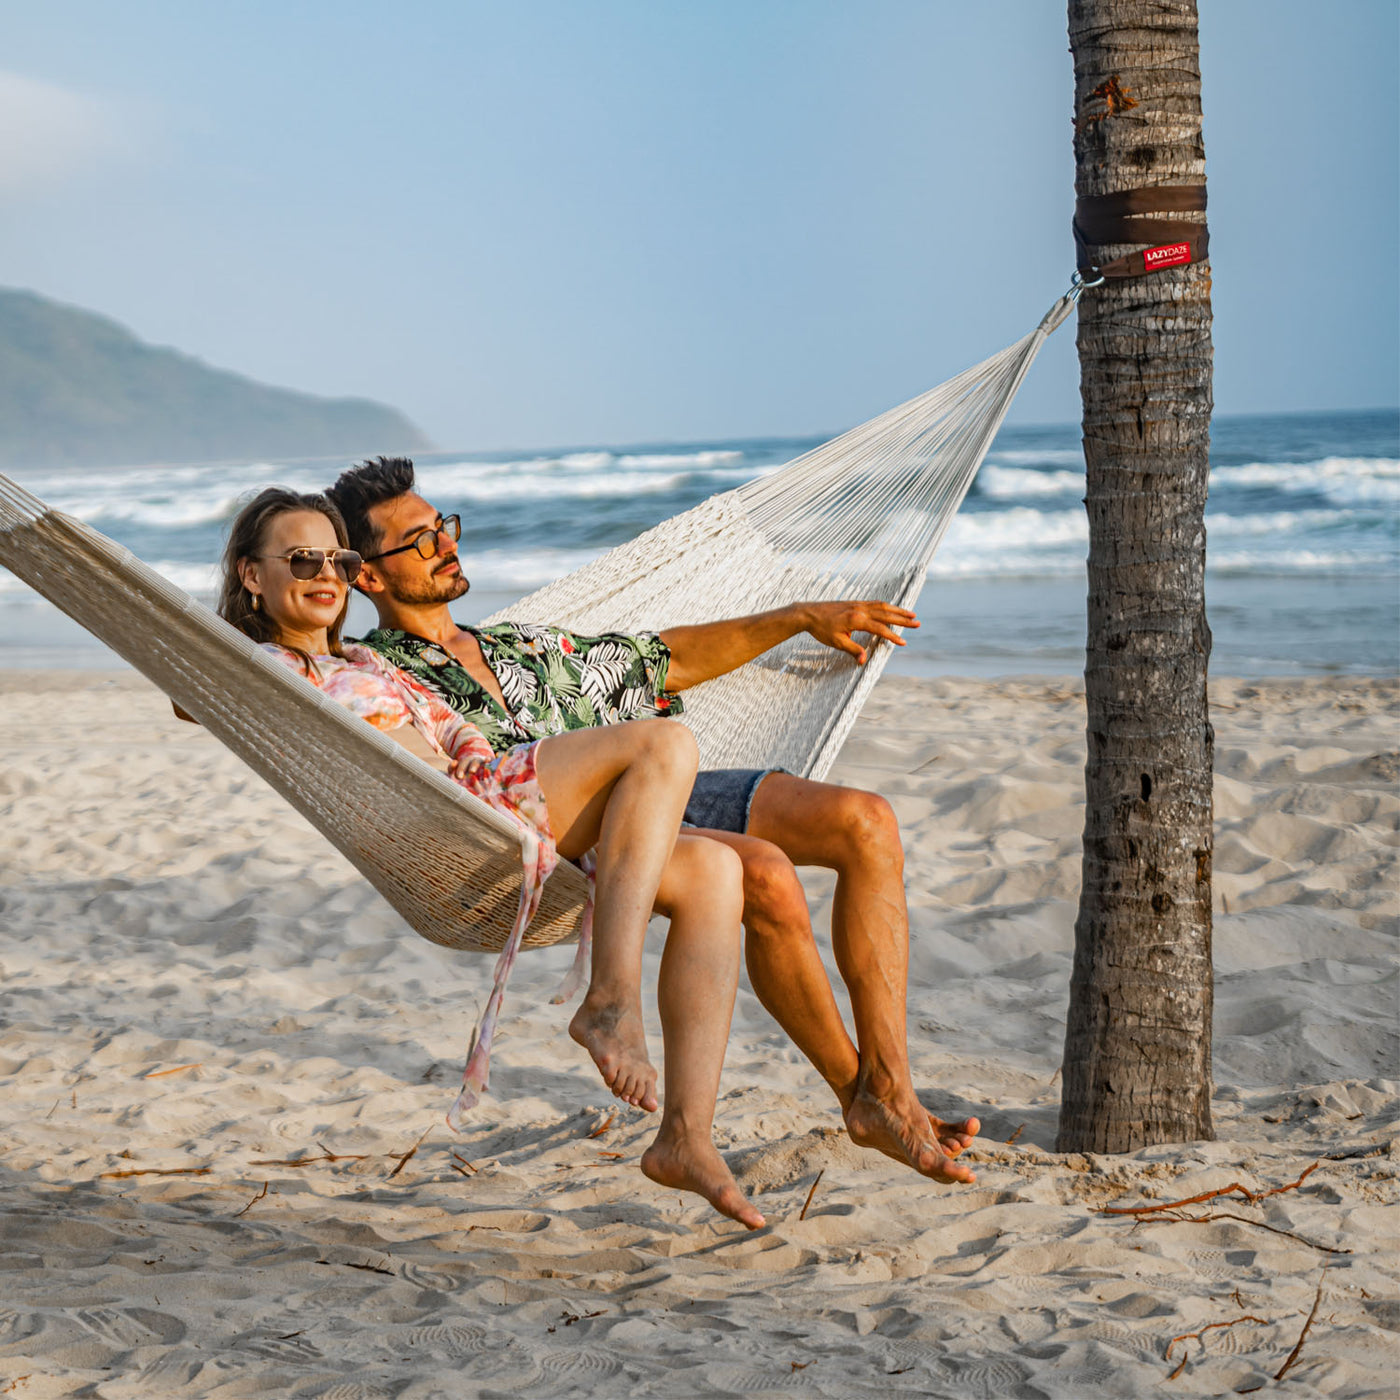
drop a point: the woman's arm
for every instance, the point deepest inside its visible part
(458, 738)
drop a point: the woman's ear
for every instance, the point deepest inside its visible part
(248, 576)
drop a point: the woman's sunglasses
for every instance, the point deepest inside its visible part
(308, 563)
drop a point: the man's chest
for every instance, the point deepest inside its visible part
(467, 652)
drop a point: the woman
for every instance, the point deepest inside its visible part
(619, 790)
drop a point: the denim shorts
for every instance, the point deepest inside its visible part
(721, 798)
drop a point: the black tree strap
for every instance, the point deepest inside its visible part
(1119, 218)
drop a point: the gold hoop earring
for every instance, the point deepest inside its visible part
(257, 601)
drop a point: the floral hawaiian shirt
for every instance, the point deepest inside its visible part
(552, 680)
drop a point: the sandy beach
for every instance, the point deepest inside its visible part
(225, 1065)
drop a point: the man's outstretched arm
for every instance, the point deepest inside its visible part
(710, 649)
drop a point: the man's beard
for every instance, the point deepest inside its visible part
(436, 588)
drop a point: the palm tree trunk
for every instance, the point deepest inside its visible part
(1137, 1065)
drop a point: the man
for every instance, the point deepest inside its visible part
(517, 683)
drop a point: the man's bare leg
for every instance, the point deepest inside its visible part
(855, 834)
(789, 977)
(623, 789)
(785, 965)
(702, 893)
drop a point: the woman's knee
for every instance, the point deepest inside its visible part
(721, 870)
(665, 746)
(705, 871)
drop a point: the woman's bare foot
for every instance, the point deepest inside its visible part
(905, 1131)
(687, 1164)
(614, 1036)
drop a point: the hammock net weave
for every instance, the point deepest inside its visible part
(859, 517)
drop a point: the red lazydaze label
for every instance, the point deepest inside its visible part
(1169, 255)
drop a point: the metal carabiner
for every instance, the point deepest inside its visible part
(1078, 286)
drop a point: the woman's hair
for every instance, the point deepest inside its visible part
(246, 538)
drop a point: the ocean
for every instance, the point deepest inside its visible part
(1303, 529)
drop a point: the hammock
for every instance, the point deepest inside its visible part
(859, 517)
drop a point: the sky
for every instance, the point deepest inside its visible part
(568, 222)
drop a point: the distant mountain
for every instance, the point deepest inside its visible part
(79, 389)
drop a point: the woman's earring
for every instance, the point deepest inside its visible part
(257, 601)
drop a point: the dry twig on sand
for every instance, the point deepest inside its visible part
(404, 1159)
(366, 1268)
(1303, 1335)
(253, 1202)
(603, 1126)
(1351, 1154)
(1174, 1218)
(1291, 1359)
(328, 1156)
(1171, 1212)
(1016, 1134)
(811, 1193)
(1200, 1337)
(157, 1171)
(178, 1069)
(1233, 1188)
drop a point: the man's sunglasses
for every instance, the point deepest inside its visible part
(308, 563)
(426, 543)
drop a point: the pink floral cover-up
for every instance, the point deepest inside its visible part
(384, 696)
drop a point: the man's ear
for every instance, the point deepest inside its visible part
(368, 581)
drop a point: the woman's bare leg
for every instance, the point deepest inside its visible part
(702, 892)
(623, 789)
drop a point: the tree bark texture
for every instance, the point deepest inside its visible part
(1137, 1065)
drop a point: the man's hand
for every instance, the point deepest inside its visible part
(833, 623)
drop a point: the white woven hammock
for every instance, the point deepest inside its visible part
(859, 517)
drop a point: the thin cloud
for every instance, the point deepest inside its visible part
(48, 134)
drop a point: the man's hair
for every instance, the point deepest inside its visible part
(361, 488)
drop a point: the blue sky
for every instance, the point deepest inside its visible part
(576, 221)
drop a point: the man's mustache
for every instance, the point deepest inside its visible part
(452, 559)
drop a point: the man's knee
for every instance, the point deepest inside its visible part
(773, 895)
(869, 825)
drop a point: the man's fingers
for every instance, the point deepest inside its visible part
(835, 622)
(843, 641)
(865, 621)
(887, 612)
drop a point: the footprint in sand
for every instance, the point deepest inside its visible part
(449, 1338)
(132, 1327)
(580, 1366)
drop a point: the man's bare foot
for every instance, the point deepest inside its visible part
(615, 1038)
(954, 1137)
(685, 1164)
(906, 1131)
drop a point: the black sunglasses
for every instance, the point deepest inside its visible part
(307, 563)
(426, 543)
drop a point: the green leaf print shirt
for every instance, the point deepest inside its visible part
(552, 680)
